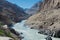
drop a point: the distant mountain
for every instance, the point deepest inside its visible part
(34, 9)
(11, 12)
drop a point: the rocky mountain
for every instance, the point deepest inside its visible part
(47, 20)
(11, 12)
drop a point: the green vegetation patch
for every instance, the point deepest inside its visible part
(1, 32)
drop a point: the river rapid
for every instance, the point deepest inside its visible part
(29, 34)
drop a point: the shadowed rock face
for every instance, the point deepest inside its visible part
(47, 19)
(11, 12)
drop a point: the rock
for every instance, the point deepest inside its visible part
(21, 33)
(13, 31)
(32, 28)
(10, 25)
(5, 38)
(57, 34)
(5, 26)
(21, 37)
(48, 38)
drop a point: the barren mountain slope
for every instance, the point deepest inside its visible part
(47, 19)
(11, 12)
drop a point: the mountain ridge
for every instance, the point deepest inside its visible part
(11, 11)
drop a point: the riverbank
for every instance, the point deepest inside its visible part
(7, 32)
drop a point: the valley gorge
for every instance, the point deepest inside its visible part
(36, 23)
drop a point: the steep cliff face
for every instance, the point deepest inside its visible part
(47, 19)
(11, 12)
(49, 4)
